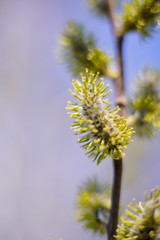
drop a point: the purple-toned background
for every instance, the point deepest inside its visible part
(41, 166)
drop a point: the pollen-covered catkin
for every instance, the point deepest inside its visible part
(102, 131)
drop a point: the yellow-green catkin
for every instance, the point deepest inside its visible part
(102, 131)
(141, 220)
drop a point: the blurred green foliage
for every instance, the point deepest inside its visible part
(140, 15)
(93, 205)
(99, 6)
(79, 51)
(144, 105)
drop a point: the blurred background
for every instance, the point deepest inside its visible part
(41, 165)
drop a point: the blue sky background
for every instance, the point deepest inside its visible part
(41, 166)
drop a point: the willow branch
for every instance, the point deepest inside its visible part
(113, 219)
(121, 102)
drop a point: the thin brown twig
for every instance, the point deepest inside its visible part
(121, 102)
